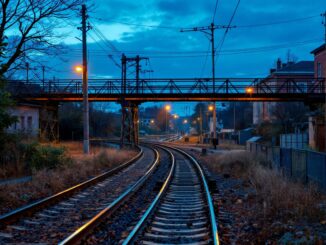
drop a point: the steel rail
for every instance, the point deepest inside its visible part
(88, 227)
(29, 209)
(140, 225)
(155, 202)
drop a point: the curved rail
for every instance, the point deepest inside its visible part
(29, 209)
(87, 228)
(140, 225)
(151, 208)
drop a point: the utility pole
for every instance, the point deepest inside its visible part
(84, 30)
(27, 72)
(124, 61)
(43, 76)
(210, 31)
(324, 24)
(137, 73)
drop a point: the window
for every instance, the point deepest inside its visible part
(22, 123)
(319, 71)
(29, 123)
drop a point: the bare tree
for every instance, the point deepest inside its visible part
(29, 27)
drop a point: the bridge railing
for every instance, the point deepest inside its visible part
(284, 85)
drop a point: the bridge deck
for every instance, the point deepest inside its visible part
(245, 89)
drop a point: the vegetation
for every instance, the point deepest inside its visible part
(29, 26)
(47, 181)
(280, 198)
(21, 158)
(102, 122)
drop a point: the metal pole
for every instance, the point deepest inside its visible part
(43, 76)
(137, 73)
(85, 82)
(201, 126)
(233, 117)
(213, 74)
(27, 72)
(324, 22)
(166, 122)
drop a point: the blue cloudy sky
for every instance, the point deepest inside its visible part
(266, 30)
(249, 50)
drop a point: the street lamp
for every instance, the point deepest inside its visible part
(167, 109)
(249, 90)
(78, 69)
(210, 107)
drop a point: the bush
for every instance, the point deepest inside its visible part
(18, 158)
(41, 157)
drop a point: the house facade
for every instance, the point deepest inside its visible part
(302, 71)
(28, 118)
(317, 134)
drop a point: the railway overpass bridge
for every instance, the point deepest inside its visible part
(130, 93)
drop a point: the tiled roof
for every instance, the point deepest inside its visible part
(319, 49)
(302, 67)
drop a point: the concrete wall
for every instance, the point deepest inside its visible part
(28, 120)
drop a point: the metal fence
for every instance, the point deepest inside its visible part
(304, 166)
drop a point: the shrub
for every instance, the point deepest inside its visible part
(41, 157)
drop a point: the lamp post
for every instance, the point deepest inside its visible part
(167, 109)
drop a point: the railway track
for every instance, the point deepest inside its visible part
(169, 203)
(182, 212)
(54, 218)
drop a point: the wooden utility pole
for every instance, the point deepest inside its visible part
(85, 81)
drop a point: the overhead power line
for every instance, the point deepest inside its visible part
(216, 4)
(203, 53)
(219, 47)
(238, 26)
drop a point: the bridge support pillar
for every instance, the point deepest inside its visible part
(49, 123)
(129, 124)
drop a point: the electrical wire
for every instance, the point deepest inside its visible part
(216, 4)
(205, 53)
(238, 26)
(219, 47)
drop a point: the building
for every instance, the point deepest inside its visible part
(320, 61)
(302, 70)
(36, 121)
(317, 139)
(27, 120)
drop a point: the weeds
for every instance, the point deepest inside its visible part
(279, 196)
(48, 181)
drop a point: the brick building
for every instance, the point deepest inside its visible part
(317, 128)
(303, 71)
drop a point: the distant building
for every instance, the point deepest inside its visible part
(317, 129)
(303, 70)
(27, 120)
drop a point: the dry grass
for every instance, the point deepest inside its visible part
(48, 182)
(278, 196)
(230, 146)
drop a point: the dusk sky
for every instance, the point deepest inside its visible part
(266, 30)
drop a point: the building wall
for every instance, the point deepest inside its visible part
(321, 59)
(317, 133)
(28, 120)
